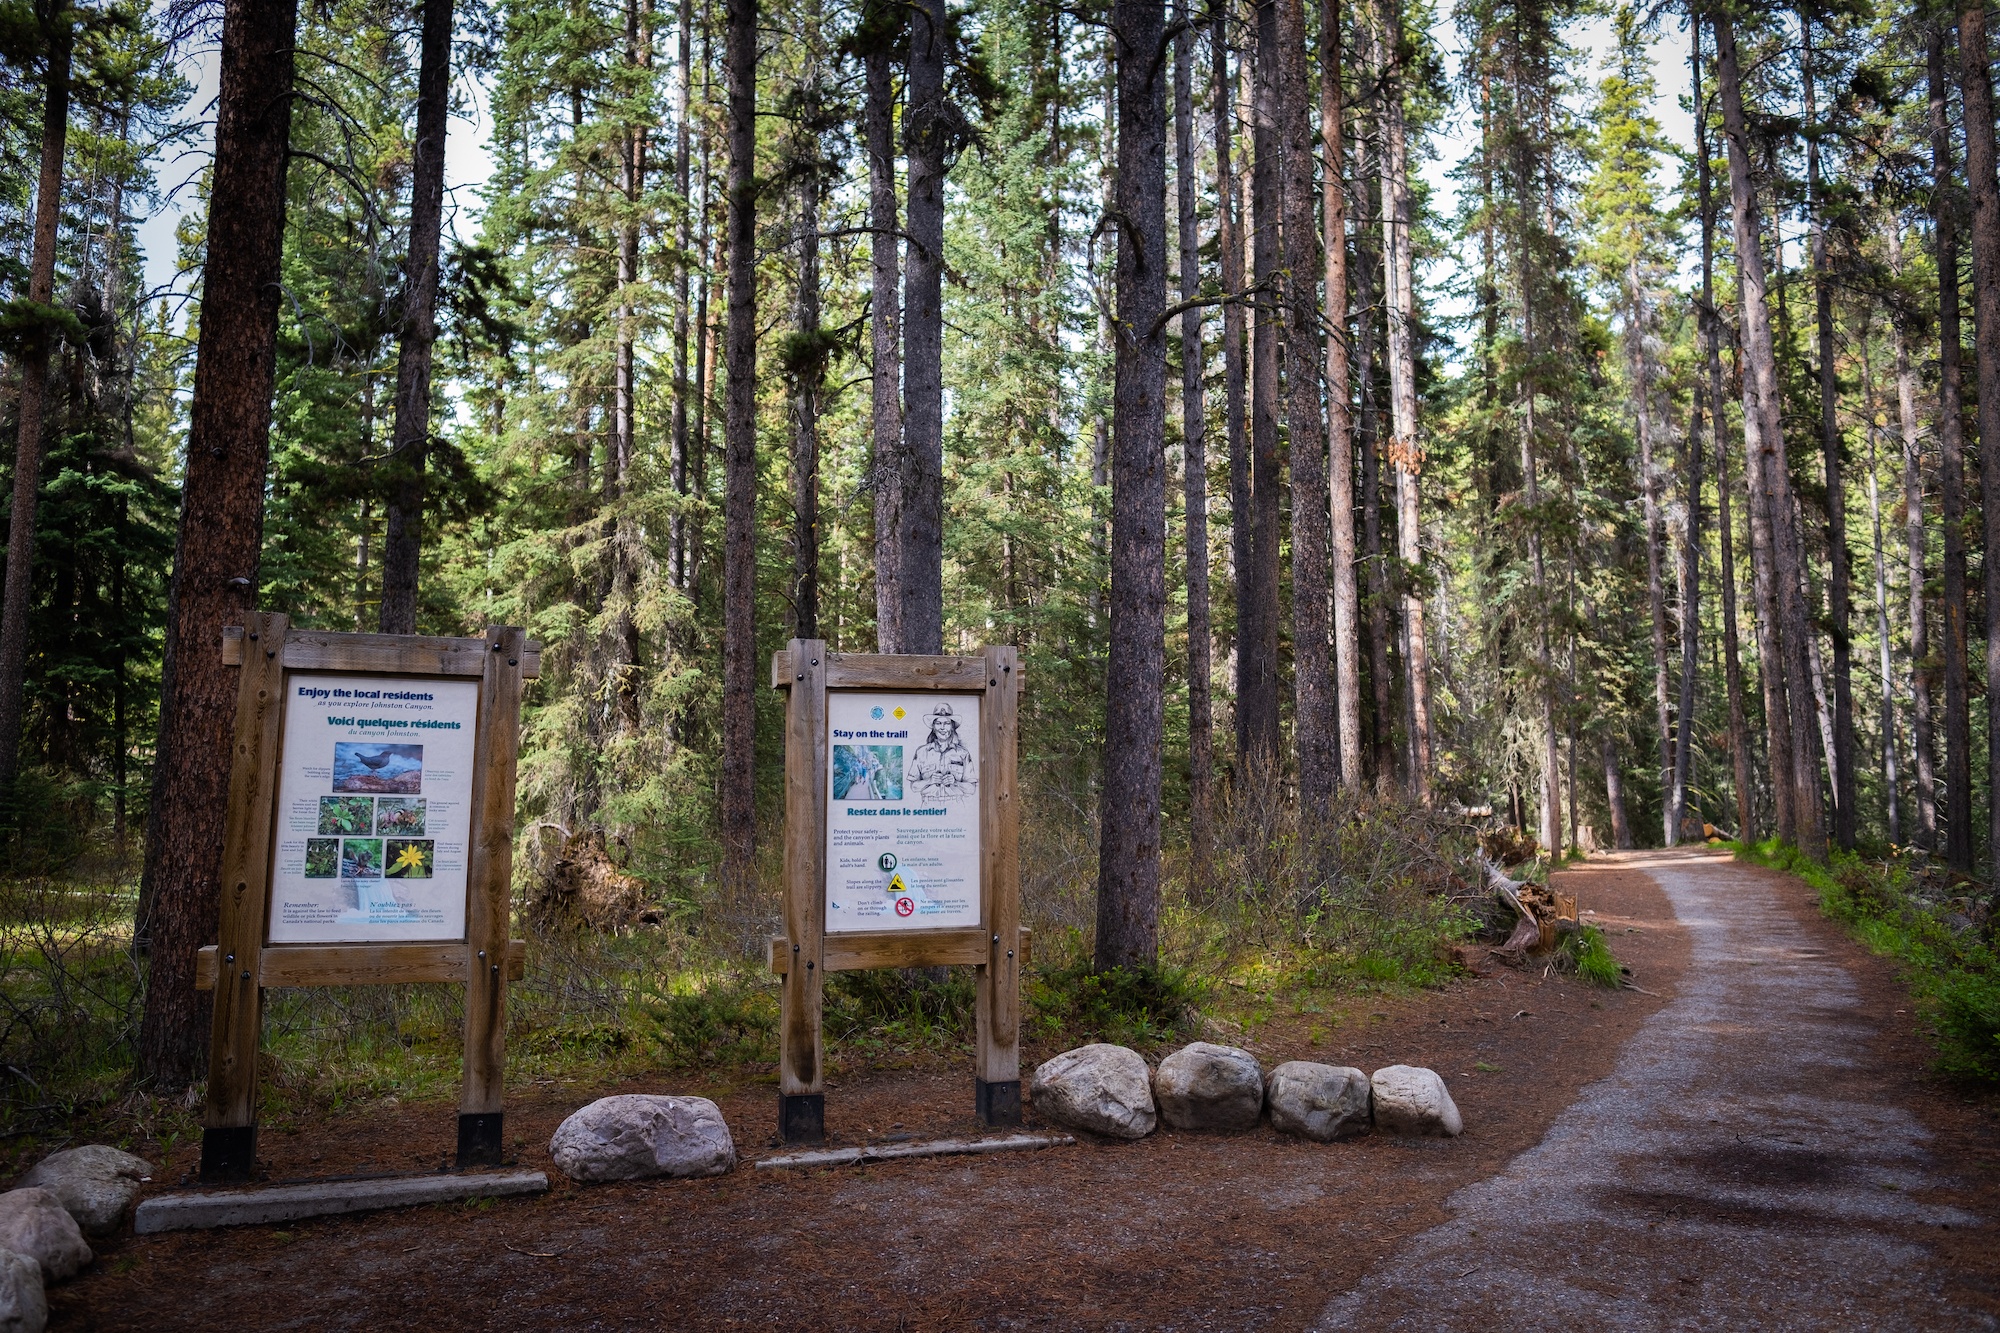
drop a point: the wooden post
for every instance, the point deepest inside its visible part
(997, 1077)
(229, 1123)
(489, 897)
(801, 1082)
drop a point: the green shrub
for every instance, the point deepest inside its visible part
(1130, 1006)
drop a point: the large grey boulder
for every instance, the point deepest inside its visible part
(1204, 1086)
(34, 1222)
(24, 1307)
(1412, 1100)
(96, 1183)
(636, 1135)
(1323, 1102)
(1102, 1088)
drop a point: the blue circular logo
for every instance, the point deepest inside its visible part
(876, 712)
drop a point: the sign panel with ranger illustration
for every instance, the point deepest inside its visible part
(900, 832)
(902, 820)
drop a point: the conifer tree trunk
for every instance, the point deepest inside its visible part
(1761, 399)
(1883, 641)
(1711, 329)
(885, 329)
(1368, 349)
(677, 455)
(739, 541)
(807, 373)
(925, 130)
(1340, 431)
(1229, 244)
(59, 41)
(1982, 176)
(221, 529)
(1838, 572)
(1128, 883)
(1312, 676)
(1917, 544)
(1194, 454)
(402, 543)
(1951, 474)
(1690, 624)
(1405, 451)
(1257, 660)
(1656, 536)
(1614, 794)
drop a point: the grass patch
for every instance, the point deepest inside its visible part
(1903, 909)
(1591, 954)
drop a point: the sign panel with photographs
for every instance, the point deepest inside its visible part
(902, 826)
(374, 809)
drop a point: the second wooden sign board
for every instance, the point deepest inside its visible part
(901, 826)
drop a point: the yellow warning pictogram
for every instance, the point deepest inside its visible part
(896, 884)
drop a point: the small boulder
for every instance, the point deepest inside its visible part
(1204, 1086)
(96, 1183)
(1412, 1100)
(633, 1136)
(34, 1222)
(1102, 1088)
(1323, 1102)
(24, 1307)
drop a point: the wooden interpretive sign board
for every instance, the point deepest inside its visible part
(902, 820)
(369, 839)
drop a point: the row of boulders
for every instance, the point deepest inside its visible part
(1109, 1090)
(43, 1221)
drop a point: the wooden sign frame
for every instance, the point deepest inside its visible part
(805, 953)
(243, 964)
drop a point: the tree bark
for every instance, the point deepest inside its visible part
(1982, 176)
(1917, 543)
(1614, 795)
(684, 262)
(1128, 882)
(1711, 329)
(926, 129)
(1369, 354)
(1194, 455)
(1690, 626)
(402, 544)
(59, 42)
(885, 330)
(739, 552)
(1257, 663)
(808, 373)
(1761, 398)
(1229, 243)
(1838, 572)
(1890, 777)
(1951, 475)
(1405, 451)
(1656, 537)
(1340, 430)
(1312, 676)
(221, 529)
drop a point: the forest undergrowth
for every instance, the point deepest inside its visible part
(1276, 916)
(1938, 927)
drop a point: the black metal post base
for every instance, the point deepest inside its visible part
(479, 1139)
(998, 1105)
(802, 1117)
(228, 1156)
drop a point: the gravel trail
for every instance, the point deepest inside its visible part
(1749, 1163)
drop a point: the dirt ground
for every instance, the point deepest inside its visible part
(1177, 1231)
